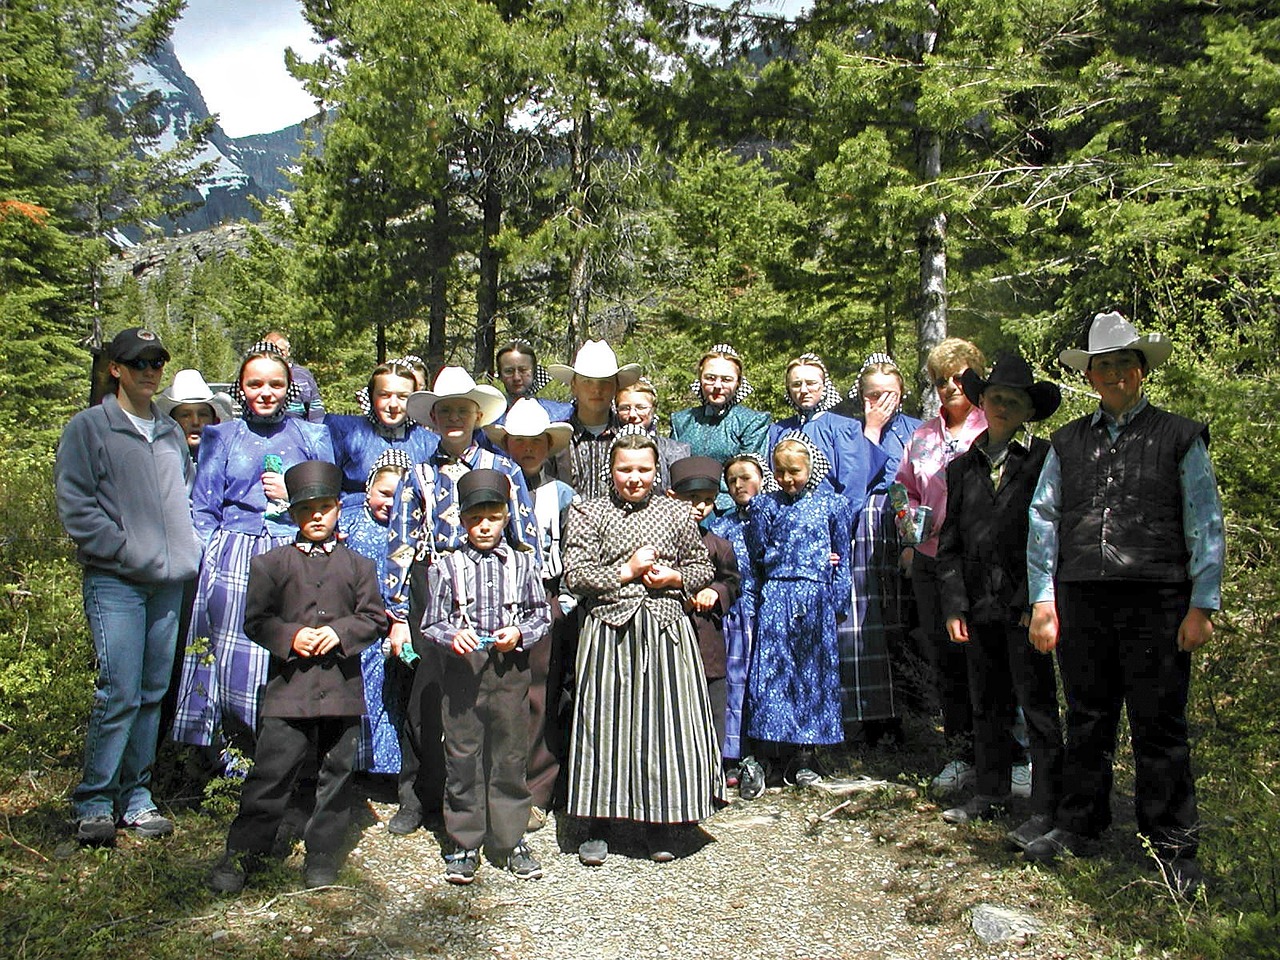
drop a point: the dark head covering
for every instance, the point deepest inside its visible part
(312, 479)
(132, 343)
(482, 486)
(689, 474)
(1014, 372)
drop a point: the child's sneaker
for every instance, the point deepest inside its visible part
(954, 777)
(96, 830)
(149, 824)
(522, 863)
(750, 779)
(460, 867)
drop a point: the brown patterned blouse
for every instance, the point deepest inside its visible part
(603, 534)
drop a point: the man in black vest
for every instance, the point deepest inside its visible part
(1124, 565)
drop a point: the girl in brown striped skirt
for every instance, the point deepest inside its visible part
(644, 746)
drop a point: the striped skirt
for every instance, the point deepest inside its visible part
(644, 743)
(877, 616)
(223, 671)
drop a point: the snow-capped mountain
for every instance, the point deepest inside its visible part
(244, 167)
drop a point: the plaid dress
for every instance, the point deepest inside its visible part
(877, 622)
(223, 671)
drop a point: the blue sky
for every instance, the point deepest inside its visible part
(234, 50)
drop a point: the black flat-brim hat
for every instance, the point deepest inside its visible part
(313, 480)
(482, 486)
(689, 474)
(1014, 372)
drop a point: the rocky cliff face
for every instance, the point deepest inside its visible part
(244, 167)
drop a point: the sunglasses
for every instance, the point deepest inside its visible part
(140, 363)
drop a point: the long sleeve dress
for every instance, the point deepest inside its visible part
(877, 621)
(793, 685)
(223, 672)
(386, 679)
(739, 629)
(643, 744)
(358, 442)
(721, 434)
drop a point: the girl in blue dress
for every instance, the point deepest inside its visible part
(371, 531)
(358, 440)
(745, 475)
(798, 539)
(240, 510)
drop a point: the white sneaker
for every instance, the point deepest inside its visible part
(955, 776)
(1020, 780)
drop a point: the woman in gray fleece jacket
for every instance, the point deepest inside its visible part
(122, 478)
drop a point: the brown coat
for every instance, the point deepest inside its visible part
(289, 590)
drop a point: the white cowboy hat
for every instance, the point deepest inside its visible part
(1110, 332)
(189, 387)
(528, 418)
(456, 382)
(596, 361)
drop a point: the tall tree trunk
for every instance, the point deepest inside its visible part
(931, 324)
(487, 291)
(580, 157)
(438, 296)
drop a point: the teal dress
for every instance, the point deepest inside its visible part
(721, 435)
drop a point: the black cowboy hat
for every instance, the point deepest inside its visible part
(1012, 371)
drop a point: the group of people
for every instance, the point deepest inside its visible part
(513, 604)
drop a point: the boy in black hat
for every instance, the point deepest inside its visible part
(486, 603)
(696, 480)
(315, 606)
(982, 560)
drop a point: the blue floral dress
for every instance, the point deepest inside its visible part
(793, 685)
(386, 681)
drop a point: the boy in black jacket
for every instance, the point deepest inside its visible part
(982, 571)
(315, 606)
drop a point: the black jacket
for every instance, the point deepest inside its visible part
(982, 549)
(289, 590)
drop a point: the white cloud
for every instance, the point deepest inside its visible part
(234, 51)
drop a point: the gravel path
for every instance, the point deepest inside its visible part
(888, 882)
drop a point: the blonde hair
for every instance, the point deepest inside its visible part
(884, 367)
(953, 354)
(795, 445)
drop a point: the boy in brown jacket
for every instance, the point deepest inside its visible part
(315, 606)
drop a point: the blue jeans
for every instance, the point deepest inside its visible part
(134, 627)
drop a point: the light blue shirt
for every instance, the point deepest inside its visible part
(1201, 519)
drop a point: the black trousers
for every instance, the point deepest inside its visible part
(948, 660)
(1005, 672)
(486, 746)
(284, 746)
(1118, 646)
(421, 781)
